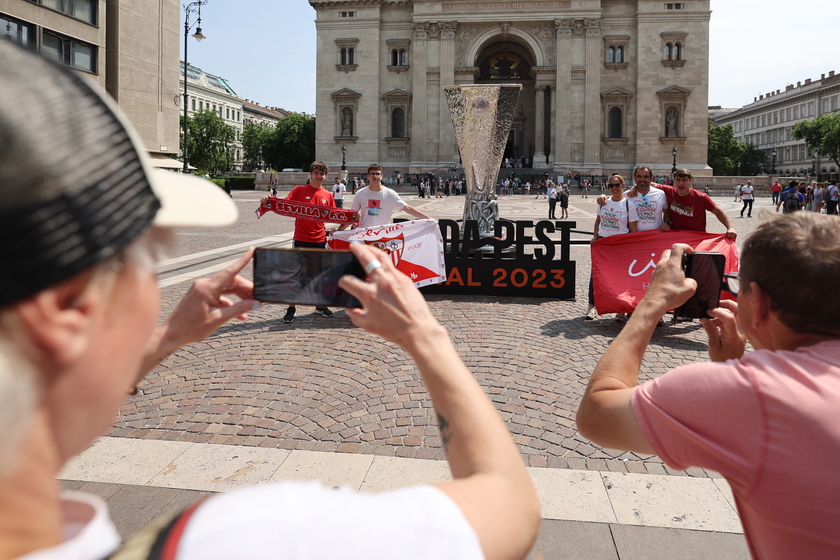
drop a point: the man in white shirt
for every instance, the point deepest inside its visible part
(375, 203)
(650, 202)
(747, 196)
(339, 188)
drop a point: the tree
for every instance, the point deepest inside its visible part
(293, 142)
(724, 150)
(821, 135)
(210, 141)
(752, 161)
(257, 139)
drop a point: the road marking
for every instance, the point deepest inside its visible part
(207, 271)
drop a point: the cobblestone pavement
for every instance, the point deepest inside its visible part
(322, 384)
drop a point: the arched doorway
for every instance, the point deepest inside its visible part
(503, 60)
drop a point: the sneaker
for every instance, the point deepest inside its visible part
(591, 313)
(621, 317)
(324, 312)
(289, 316)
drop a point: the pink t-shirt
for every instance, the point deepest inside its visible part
(770, 424)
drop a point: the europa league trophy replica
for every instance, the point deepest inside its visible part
(482, 115)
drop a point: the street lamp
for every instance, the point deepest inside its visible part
(192, 7)
(773, 153)
(343, 158)
(674, 167)
(814, 164)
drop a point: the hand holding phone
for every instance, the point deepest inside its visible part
(304, 276)
(707, 270)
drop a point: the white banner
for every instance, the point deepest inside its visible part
(415, 247)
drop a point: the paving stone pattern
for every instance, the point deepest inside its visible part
(322, 384)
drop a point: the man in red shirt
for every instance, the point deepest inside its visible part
(311, 233)
(776, 191)
(688, 206)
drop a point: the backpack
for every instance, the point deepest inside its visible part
(791, 203)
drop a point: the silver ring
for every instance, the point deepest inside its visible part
(371, 266)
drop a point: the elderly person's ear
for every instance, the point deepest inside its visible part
(57, 320)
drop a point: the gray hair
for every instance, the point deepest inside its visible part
(20, 382)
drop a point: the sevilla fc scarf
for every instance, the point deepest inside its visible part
(306, 211)
(622, 265)
(415, 247)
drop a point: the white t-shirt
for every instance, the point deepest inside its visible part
(747, 192)
(310, 521)
(376, 207)
(615, 217)
(302, 521)
(649, 208)
(338, 191)
(89, 533)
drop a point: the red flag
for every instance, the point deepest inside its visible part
(622, 265)
(308, 211)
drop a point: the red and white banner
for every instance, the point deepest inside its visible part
(622, 265)
(295, 209)
(415, 247)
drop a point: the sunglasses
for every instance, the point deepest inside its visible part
(614, 184)
(732, 283)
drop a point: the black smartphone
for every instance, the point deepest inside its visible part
(304, 276)
(707, 271)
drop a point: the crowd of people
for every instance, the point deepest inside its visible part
(83, 224)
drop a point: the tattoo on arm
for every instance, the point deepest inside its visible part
(445, 435)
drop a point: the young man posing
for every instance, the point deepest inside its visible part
(311, 233)
(376, 203)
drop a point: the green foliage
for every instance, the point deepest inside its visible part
(821, 135)
(236, 183)
(293, 142)
(724, 150)
(211, 141)
(257, 139)
(753, 160)
(242, 183)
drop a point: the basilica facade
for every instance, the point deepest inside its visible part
(606, 84)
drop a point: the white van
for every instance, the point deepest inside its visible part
(292, 170)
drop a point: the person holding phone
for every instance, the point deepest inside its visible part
(766, 420)
(76, 327)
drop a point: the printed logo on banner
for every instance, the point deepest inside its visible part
(393, 246)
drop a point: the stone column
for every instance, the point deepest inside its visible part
(539, 117)
(563, 109)
(553, 129)
(447, 78)
(592, 114)
(418, 98)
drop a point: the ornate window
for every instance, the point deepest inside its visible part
(673, 44)
(616, 103)
(398, 58)
(346, 110)
(346, 54)
(397, 105)
(616, 51)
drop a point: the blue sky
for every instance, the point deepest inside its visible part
(266, 48)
